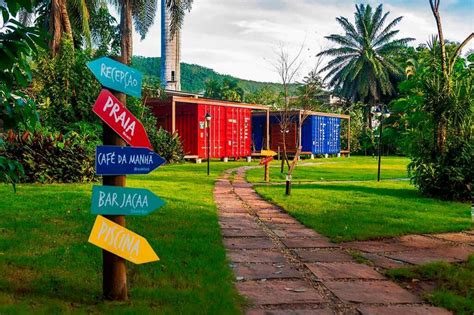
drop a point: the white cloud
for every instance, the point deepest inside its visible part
(238, 37)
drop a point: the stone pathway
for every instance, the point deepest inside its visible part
(282, 267)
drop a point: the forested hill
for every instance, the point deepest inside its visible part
(194, 77)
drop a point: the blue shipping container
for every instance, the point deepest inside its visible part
(320, 134)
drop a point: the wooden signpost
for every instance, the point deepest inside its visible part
(117, 76)
(116, 239)
(268, 157)
(111, 200)
(114, 161)
(121, 120)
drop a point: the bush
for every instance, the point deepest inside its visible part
(167, 145)
(65, 88)
(50, 157)
(446, 176)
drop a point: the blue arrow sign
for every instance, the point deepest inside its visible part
(113, 200)
(117, 76)
(115, 160)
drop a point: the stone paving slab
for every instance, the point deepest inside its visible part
(296, 232)
(265, 271)
(420, 241)
(384, 262)
(255, 256)
(289, 220)
(248, 243)
(243, 232)
(322, 255)
(317, 311)
(402, 309)
(279, 292)
(233, 223)
(232, 209)
(377, 246)
(239, 215)
(284, 226)
(307, 243)
(274, 215)
(370, 292)
(457, 237)
(343, 270)
(424, 256)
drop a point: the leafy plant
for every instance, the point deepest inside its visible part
(443, 171)
(167, 145)
(50, 157)
(65, 88)
(18, 44)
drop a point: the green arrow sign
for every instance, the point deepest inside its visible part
(112, 200)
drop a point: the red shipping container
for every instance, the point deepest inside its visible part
(230, 126)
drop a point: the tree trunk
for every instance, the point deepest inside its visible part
(65, 19)
(126, 31)
(441, 131)
(55, 27)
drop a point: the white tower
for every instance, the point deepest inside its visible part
(170, 53)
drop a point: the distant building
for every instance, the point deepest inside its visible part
(170, 53)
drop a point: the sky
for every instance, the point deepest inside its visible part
(240, 37)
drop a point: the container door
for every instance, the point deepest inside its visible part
(319, 135)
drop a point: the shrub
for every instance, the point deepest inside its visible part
(50, 157)
(167, 145)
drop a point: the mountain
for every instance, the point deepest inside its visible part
(194, 77)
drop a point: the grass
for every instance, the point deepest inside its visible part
(353, 168)
(453, 283)
(47, 266)
(365, 210)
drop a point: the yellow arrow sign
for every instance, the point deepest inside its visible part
(267, 153)
(122, 242)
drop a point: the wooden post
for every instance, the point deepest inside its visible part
(267, 172)
(268, 129)
(299, 129)
(173, 115)
(349, 135)
(114, 270)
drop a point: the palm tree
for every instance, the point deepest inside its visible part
(363, 68)
(142, 13)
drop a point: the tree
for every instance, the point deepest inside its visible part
(363, 68)
(143, 13)
(287, 68)
(229, 90)
(18, 43)
(447, 68)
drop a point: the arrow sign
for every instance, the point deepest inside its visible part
(121, 120)
(114, 200)
(266, 160)
(267, 153)
(117, 76)
(122, 242)
(115, 160)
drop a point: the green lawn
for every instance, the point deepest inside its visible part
(453, 283)
(47, 266)
(365, 210)
(353, 168)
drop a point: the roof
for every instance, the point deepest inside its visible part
(296, 112)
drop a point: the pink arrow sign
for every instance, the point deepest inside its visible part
(121, 120)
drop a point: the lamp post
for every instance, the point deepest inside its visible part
(382, 112)
(208, 125)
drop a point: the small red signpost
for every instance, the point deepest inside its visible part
(265, 161)
(121, 120)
